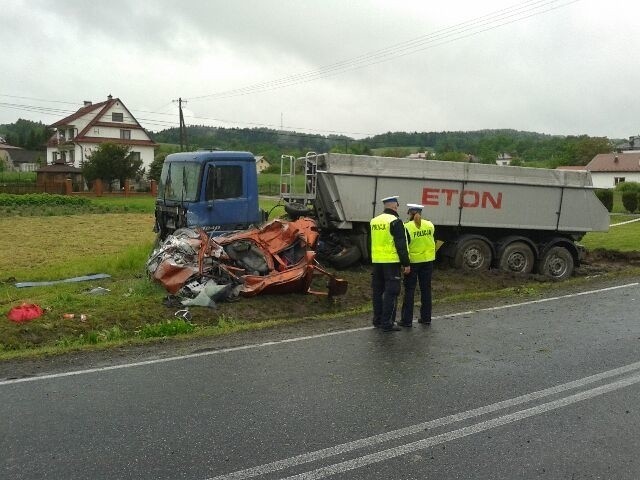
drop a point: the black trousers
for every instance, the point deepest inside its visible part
(420, 273)
(385, 286)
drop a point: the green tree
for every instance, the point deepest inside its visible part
(628, 187)
(606, 197)
(110, 162)
(453, 157)
(155, 169)
(630, 200)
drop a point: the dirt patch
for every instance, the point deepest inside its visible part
(611, 258)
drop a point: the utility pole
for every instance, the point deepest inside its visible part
(183, 128)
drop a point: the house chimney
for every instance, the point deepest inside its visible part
(109, 97)
(87, 103)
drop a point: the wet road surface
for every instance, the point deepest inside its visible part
(544, 389)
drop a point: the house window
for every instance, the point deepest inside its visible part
(72, 156)
(96, 131)
(64, 156)
(71, 134)
(617, 180)
(125, 134)
(55, 157)
(117, 117)
(135, 156)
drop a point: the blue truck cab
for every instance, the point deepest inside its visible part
(215, 190)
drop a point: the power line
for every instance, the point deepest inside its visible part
(166, 124)
(465, 29)
(459, 31)
(158, 122)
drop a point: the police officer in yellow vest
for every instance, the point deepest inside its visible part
(390, 258)
(422, 253)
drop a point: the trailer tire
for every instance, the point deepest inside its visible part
(517, 257)
(473, 255)
(349, 256)
(557, 263)
(296, 210)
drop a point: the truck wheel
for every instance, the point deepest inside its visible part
(517, 257)
(556, 263)
(348, 256)
(296, 210)
(473, 255)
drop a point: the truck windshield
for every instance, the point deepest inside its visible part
(179, 181)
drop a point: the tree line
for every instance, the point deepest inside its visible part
(26, 134)
(526, 148)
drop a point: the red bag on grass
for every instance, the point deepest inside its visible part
(24, 313)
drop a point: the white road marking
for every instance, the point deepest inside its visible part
(462, 432)
(421, 427)
(278, 342)
(542, 300)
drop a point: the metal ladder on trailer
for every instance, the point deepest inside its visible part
(291, 170)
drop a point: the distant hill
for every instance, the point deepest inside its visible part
(536, 149)
(527, 148)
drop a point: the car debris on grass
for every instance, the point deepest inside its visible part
(277, 257)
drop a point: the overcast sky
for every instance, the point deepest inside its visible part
(360, 67)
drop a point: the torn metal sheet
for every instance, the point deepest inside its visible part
(278, 257)
(97, 276)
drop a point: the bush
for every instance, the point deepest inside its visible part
(605, 195)
(41, 199)
(628, 187)
(630, 200)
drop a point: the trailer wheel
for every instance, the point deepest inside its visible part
(296, 210)
(517, 257)
(349, 255)
(472, 255)
(556, 263)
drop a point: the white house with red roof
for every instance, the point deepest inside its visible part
(610, 169)
(80, 133)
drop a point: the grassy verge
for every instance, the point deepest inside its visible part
(132, 311)
(622, 238)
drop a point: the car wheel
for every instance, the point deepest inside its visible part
(296, 210)
(347, 257)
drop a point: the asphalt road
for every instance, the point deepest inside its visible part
(538, 390)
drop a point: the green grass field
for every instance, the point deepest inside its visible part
(118, 242)
(623, 238)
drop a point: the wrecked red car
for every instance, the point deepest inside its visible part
(278, 257)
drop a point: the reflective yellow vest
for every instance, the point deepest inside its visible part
(383, 248)
(422, 246)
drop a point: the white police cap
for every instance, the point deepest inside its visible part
(392, 198)
(415, 206)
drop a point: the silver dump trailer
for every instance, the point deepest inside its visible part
(514, 218)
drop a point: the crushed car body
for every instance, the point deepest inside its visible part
(277, 257)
